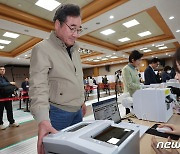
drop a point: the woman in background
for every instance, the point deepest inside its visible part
(166, 74)
(130, 74)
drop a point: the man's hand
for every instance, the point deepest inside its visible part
(175, 128)
(44, 128)
(13, 83)
(84, 109)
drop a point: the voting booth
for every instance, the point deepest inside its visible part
(153, 104)
(93, 137)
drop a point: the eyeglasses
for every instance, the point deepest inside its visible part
(74, 29)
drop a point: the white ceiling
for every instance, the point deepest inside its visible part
(166, 8)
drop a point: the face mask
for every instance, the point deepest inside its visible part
(168, 71)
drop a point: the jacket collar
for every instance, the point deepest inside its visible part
(57, 40)
(131, 66)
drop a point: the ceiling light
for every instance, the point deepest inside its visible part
(98, 57)
(108, 32)
(131, 23)
(160, 45)
(124, 39)
(148, 50)
(114, 53)
(19, 5)
(1, 47)
(104, 59)
(143, 49)
(156, 57)
(48, 4)
(169, 55)
(96, 60)
(178, 31)
(11, 35)
(111, 17)
(152, 56)
(18, 58)
(25, 55)
(4, 41)
(166, 53)
(164, 47)
(144, 33)
(114, 57)
(153, 45)
(171, 17)
(108, 56)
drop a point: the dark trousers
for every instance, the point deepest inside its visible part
(8, 106)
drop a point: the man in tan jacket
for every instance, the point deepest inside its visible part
(56, 77)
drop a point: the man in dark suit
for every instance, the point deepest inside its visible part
(25, 86)
(6, 104)
(149, 74)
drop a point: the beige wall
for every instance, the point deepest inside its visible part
(168, 62)
(102, 70)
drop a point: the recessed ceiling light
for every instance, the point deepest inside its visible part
(153, 45)
(178, 31)
(11, 35)
(152, 56)
(111, 17)
(148, 50)
(108, 56)
(4, 41)
(104, 59)
(166, 53)
(171, 17)
(1, 47)
(114, 57)
(143, 49)
(160, 45)
(164, 47)
(48, 4)
(108, 32)
(96, 60)
(144, 33)
(124, 39)
(131, 23)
